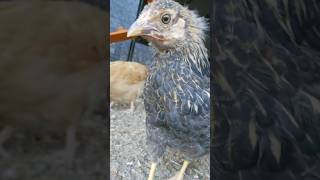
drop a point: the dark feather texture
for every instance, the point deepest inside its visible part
(267, 90)
(177, 102)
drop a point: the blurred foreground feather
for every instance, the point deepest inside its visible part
(267, 90)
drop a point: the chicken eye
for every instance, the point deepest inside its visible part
(166, 18)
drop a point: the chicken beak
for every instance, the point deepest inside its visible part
(135, 30)
(141, 29)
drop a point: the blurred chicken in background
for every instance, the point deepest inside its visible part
(126, 82)
(51, 66)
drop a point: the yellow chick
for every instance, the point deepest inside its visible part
(126, 82)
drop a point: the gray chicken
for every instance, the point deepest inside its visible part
(177, 89)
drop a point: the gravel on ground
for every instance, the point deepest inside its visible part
(128, 156)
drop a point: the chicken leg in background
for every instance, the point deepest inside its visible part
(51, 66)
(126, 82)
(4, 135)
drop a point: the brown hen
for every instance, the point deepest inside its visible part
(51, 65)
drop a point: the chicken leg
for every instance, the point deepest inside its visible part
(152, 171)
(4, 135)
(132, 108)
(180, 174)
(66, 155)
(111, 104)
(71, 144)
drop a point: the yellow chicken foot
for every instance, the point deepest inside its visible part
(183, 169)
(180, 174)
(152, 171)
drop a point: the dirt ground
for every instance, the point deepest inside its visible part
(36, 154)
(128, 156)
